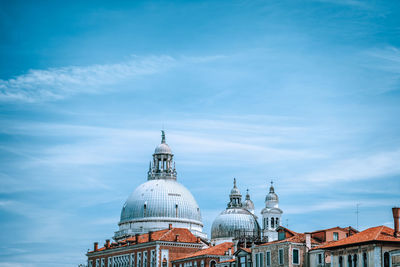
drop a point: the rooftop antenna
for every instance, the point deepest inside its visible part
(357, 212)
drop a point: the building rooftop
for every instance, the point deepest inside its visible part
(218, 250)
(297, 238)
(374, 234)
(181, 235)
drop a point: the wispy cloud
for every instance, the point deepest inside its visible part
(336, 205)
(58, 83)
(353, 169)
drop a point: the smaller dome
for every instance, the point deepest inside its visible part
(234, 222)
(248, 203)
(271, 195)
(163, 149)
(235, 191)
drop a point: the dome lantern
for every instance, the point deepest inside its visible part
(163, 165)
(248, 203)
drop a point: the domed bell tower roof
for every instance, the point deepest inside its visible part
(271, 200)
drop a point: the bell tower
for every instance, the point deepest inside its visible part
(271, 216)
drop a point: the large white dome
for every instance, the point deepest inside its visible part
(161, 199)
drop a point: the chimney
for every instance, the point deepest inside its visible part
(150, 236)
(308, 241)
(396, 215)
(198, 240)
(96, 246)
(170, 226)
(107, 243)
(177, 238)
(137, 238)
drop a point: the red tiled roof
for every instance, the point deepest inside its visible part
(378, 234)
(337, 227)
(298, 238)
(288, 230)
(185, 236)
(218, 250)
(247, 249)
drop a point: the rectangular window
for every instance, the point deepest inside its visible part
(335, 236)
(90, 264)
(320, 258)
(97, 263)
(242, 261)
(257, 259)
(268, 258)
(202, 263)
(109, 262)
(103, 263)
(144, 258)
(280, 256)
(195, 264)
(139, 259)
(261, 259)
(296, 257)
(281, 235)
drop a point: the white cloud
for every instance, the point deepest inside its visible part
(374, 166)
(58, 83)
(337, 204)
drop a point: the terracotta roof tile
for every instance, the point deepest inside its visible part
(218, 250)
(298, 238)
(185, 236)
(247, 249)
(378, 233)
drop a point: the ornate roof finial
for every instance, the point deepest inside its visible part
(271, 189)
(162, 137)
(234, 182)
(247, 195)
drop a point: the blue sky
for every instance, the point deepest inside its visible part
(302, 92)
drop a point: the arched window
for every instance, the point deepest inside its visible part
(277, 222)
(340, 261)
(212, 263)
(272, 222)
(386, 259)
(355, 260)
(365, 260)
(349, 261)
